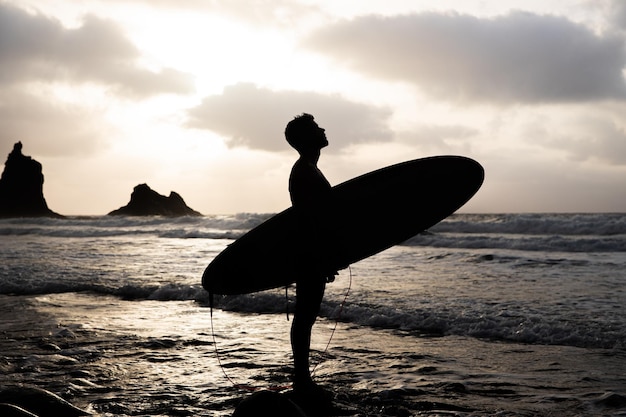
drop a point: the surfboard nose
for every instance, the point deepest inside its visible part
(474, 173)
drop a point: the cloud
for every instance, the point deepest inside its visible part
(516, 58)
(45, 128)
(594, 138)
(439, 137)
(255, 117)
(258, 12)
(34, 47)
(615, 11)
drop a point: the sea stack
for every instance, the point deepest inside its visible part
(146, 202)
(21, 187)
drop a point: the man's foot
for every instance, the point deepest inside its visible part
(313, 390)
(312, 398)
(315, 401)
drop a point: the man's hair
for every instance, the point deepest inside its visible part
(298, 130)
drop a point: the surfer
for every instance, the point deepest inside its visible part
(310, 195)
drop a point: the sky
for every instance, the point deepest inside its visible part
(193, 96)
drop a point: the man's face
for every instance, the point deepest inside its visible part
(318, 136)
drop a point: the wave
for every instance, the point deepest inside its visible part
(597, 224)
(593, 232)
(600, 232)
(544, 243)
(485, 322)
(207, 227)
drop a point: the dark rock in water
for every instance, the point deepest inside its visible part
(272, 403)
(10, 410)
(612, 400)
(21, 187)
(146, 202)
(267, 403)
(38, 401)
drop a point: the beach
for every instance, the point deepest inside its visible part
(477, 318)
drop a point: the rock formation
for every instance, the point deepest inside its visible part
(146, 202)
(32, 401)
(21, 187)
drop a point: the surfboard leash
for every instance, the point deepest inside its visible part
(343, 302)
(253, 388)
(244, 387)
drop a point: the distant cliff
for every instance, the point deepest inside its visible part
(146, 202)
(21, 187)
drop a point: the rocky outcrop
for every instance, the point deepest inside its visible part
(32, 401)
(146, 202)
(21, 187)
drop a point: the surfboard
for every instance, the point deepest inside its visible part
(369, 214)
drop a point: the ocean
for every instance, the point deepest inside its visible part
(482, 315)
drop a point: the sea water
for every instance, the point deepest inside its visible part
(483, 314)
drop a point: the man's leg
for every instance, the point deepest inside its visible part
(309, 294)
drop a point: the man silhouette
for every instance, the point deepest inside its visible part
(310, 194)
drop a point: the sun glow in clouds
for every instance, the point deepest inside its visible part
(193, 96)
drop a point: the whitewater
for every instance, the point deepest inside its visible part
(483, 314)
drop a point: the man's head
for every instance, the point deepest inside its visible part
(303, 134)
